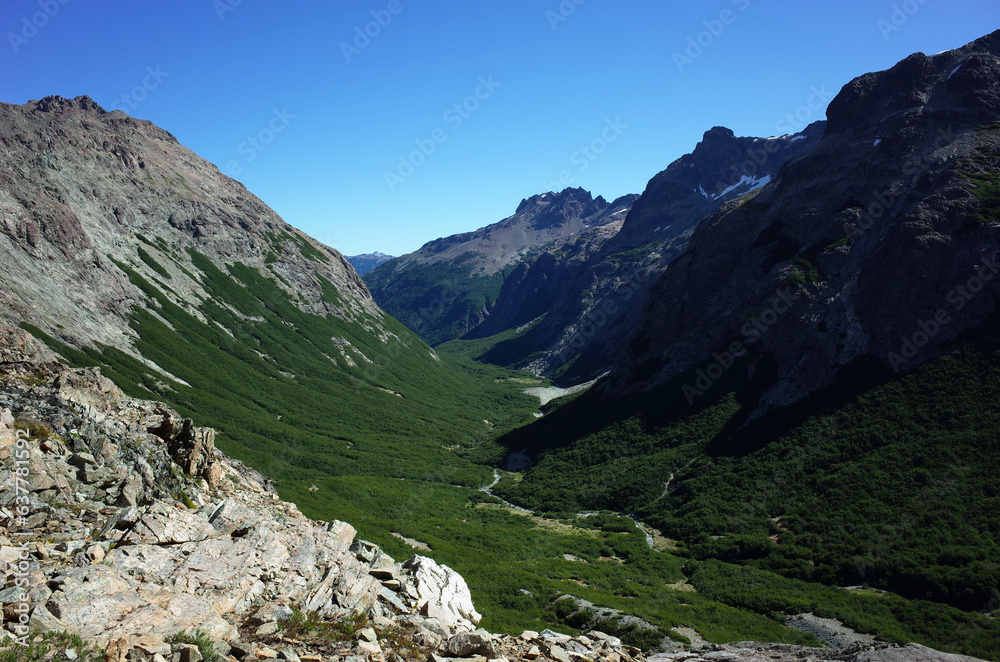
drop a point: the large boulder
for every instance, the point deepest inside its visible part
(443, 593)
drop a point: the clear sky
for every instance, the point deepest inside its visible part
(448, 112)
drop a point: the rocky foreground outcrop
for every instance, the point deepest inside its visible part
(121, 523)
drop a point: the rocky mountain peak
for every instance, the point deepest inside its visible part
(568, 195)
(458, 268)
(956, 86)
(872, 230)
(716, 134)
(721, 167)
(86, 191)
(54, 103)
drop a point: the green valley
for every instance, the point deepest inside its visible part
(399, 445)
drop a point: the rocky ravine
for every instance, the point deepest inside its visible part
(122, 524)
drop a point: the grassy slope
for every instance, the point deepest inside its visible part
(891, 484)
(286, 401)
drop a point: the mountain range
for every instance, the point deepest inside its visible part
(566, 260)
(791, 437)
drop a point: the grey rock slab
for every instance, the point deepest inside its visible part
(231, 517)
(146, 563)
(190, 653)
(43, 621)
(267, 629)
(467, 644)
(169, 524)
(559, 654)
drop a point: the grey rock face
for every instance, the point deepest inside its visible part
(83, 190)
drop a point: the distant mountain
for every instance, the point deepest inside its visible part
(574, 265)
(586, 292)
(449, 286)
(365, 263)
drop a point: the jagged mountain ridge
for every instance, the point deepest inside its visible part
(866, 240)
(537, 221)
(720, 168)
(449, 286)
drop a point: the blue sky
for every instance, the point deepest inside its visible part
(446, 114)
